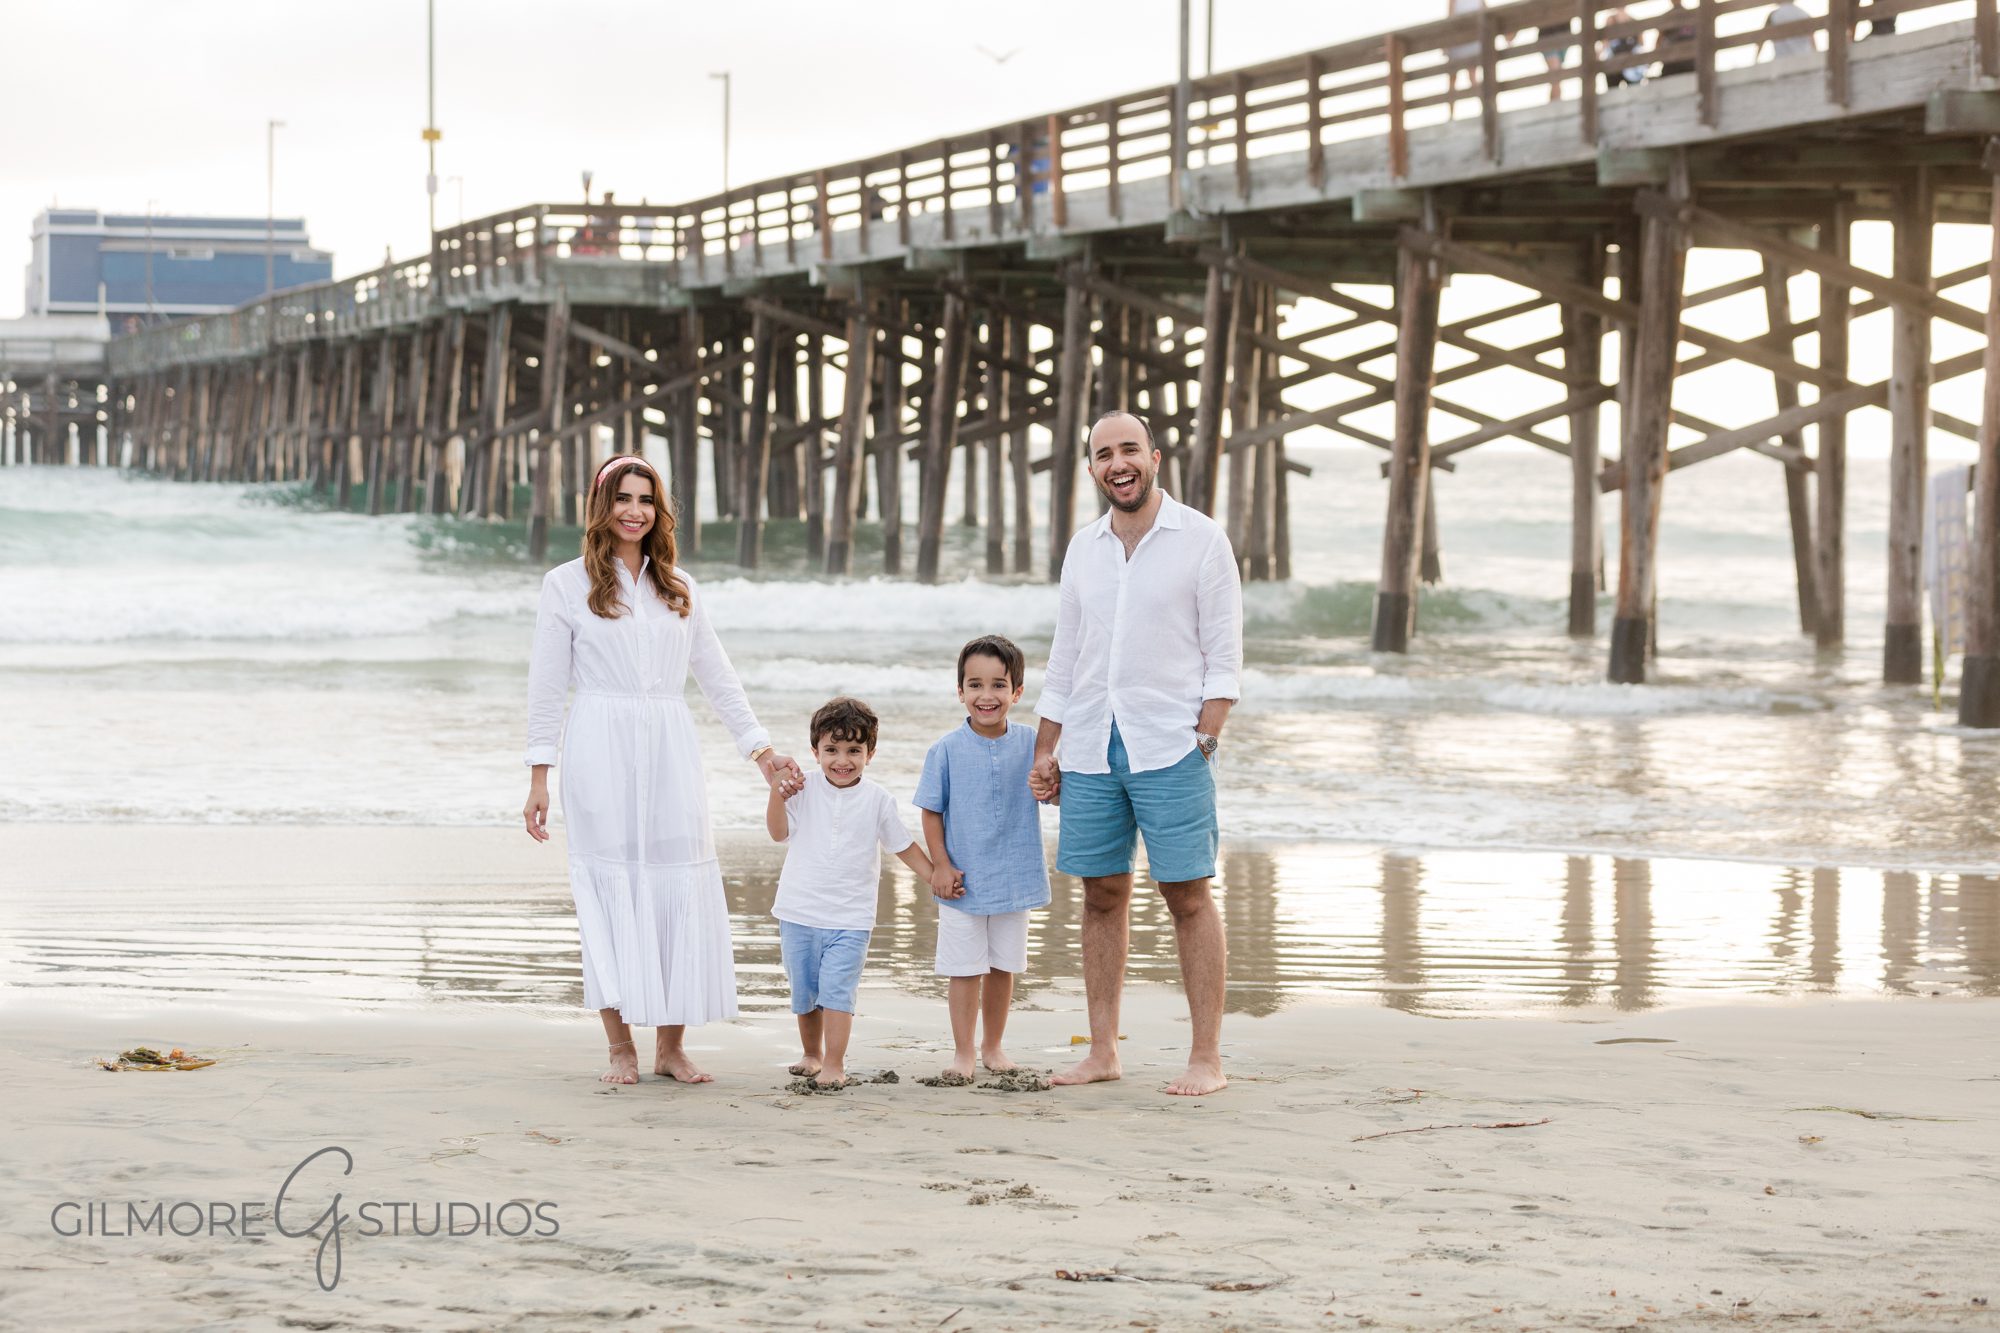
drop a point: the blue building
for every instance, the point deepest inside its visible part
(136, 268)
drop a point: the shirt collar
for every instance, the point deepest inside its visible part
(645, 563)
(1169, 516)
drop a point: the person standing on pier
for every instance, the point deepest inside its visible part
(625, 626)
(1142, 672)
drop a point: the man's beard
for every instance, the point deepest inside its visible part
(1138, 502)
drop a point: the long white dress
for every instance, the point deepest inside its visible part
(642, 868)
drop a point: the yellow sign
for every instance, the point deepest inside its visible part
(432, 136)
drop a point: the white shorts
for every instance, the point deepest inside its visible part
(972, 946)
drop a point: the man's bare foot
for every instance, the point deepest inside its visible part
(1202, 1078)
(996, 1061)
(961, 1066)
(831, 1076)
(1097, 1067)
(805, 1066)
(674, 1064)
(624, 1065)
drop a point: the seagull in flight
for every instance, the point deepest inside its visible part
(995, 56)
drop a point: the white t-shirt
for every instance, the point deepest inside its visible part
(833, 857)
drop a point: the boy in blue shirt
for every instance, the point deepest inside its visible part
(985, 840)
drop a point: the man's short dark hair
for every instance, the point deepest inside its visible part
(845, 719)
(1144, 424)
(995, 646)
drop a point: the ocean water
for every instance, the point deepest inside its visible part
(241, 654)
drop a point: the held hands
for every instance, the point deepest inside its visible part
(782, 772)
(947, 880)
(1045, 780)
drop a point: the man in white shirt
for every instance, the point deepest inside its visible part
(1142, 672)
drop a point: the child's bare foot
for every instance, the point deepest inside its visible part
(961, 1066)
(805, 1066)
(671, 1061)
(996, 1061)
(1097, 1067)
(624, 1064)
(831, 1076)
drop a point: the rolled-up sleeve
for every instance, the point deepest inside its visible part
(1219, 608)
(548, 673)
(717, 678)
(1060, 675)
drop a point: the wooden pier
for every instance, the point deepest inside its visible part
(1142, 252)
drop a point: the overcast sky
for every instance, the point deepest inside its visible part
(117, 102)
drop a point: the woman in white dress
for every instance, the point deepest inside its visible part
(625, 627)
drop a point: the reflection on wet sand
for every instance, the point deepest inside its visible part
(1432, 932)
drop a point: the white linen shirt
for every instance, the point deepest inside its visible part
(833, 855)
(1143, 641)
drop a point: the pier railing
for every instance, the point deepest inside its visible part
(1122, 154)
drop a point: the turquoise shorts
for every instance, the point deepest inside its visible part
(1105, 814)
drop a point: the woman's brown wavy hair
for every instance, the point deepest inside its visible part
(600, 542)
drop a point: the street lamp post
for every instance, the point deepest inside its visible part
(724, 76)
(431, 132)
(271, 128)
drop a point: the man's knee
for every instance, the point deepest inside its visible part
(1187, 899)
(1108, 893)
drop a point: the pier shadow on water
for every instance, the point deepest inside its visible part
(1438, 933)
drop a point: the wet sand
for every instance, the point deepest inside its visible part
(1785, 1159)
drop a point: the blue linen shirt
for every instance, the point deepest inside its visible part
(992, 828)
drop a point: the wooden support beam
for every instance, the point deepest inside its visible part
(1583, 357)
(754, 458)
(1204, 461)
(857, 384)
(552, 415)
(1830, 488)
(1418, 288)
(1909, 433)
(1073, 396)
(1798, 499)
(1662, 263)
(941, 438)
(1979, 674)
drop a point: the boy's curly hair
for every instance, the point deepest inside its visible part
(995, 646)
(845, 719)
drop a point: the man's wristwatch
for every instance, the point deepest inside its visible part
(1207, 744)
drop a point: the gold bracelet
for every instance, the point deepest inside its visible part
(759, 753)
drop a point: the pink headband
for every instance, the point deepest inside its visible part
(616, 459)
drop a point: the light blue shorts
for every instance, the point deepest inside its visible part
(1105, 814)
(824, 966)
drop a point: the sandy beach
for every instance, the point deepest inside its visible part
(1826, 1164)
(1765, 1162)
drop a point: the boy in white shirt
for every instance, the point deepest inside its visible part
(826, 893)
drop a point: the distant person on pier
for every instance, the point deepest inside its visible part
(1677, 37)
(1615, 46)
(626, 627)
(1143, 670)
(1463, 52)
(1799, 44)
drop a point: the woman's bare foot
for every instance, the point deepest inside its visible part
(961, 1066)
(831, 1076)
(624, 1064)
(996, 1061)
(670, 1061)
(1202, 1078)
(1097, 1067)
(805, 1067)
